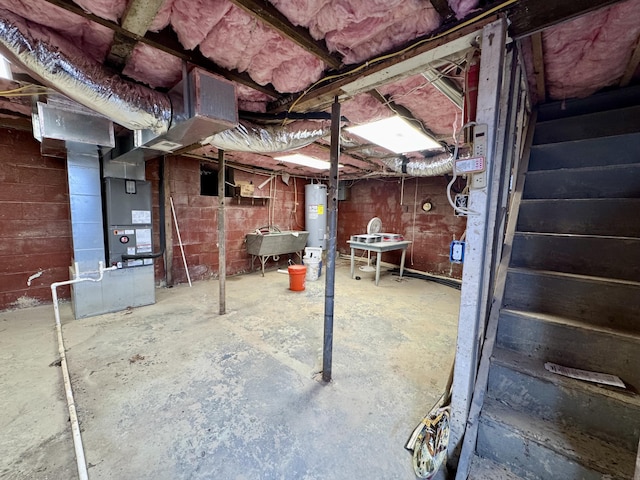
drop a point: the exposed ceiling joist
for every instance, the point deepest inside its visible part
(530, 16)
(167, 41)
(137, 19)
(444, 10)
(267, 13)
(370, 75)
(538, 66)
(632, 66)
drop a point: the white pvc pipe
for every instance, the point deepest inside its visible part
(73, 416)
(175, 221)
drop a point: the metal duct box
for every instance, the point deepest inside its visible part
(203, 104)
(63, 124)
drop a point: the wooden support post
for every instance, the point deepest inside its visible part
(222, 244)
(168, 225)
(480, 238)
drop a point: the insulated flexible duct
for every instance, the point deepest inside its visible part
(432, 167)
(40, 52)
(247, 137)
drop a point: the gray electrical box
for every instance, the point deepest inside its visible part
(129, 223)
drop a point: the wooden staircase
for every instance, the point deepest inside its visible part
(572, 297)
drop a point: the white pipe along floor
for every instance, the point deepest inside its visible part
(176, 391)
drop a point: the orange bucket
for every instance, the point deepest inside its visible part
(297, 274)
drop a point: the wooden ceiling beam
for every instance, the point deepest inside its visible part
(267, 13)
(538, 66)
(632, 66)
(530, 16)
(444, 10)
(167, 41)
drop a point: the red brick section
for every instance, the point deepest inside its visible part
(433, 230)
(197, 217)
(35, 225)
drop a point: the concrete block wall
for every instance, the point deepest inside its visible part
(35, 224)
(431, 232)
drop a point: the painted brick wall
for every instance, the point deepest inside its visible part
(197, 217)
(431, 232)
(35, 225)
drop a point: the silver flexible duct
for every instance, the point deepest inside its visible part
(247, 137)
(433, 167)
(37, 50)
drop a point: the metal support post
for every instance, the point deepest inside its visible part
(327, 350)
(222, 243)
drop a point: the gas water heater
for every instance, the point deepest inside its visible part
(315, 216)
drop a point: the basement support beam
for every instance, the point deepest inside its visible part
(267, 13)
(474, 295)
(222, 241)
(334, 156)
(168, 226)
(538, 66)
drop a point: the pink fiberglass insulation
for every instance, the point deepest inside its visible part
(153, 67)
(109, 9)
(193, 20)
(251, 100)
(590, 52)
(462, 8)
(426, 103)
(364, 108)
(93, 39)
(360, 29)
(163, 17)
(241, 42)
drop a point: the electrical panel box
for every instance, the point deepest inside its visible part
(129, 224)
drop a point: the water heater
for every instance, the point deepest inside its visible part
(315, 214)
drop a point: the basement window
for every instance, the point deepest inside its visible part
(209, 181)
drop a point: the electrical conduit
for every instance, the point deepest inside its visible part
(73, 416)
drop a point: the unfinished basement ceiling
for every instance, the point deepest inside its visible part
(292, 57)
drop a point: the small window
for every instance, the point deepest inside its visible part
(209, 181)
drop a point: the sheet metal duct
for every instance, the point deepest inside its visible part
(248, 137)
(432, 167)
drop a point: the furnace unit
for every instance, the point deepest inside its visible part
(129, 225)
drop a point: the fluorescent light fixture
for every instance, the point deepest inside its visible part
(306, 161)
(5, 68)
(395, 134)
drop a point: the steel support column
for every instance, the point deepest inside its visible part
(327, 350)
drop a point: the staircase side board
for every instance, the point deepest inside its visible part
(590, 152)
(596, 216)
(619, 181)
(617, 257)
(535, 449)
(595, 301)
(598, 415)
(572, 345)
(598, 124)
(601, 101)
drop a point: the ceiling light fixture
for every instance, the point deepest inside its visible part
(395, 134)
(306, 161)
(5, 69)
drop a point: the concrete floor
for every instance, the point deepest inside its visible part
(175, 391)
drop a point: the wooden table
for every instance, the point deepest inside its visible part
(378, 247)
